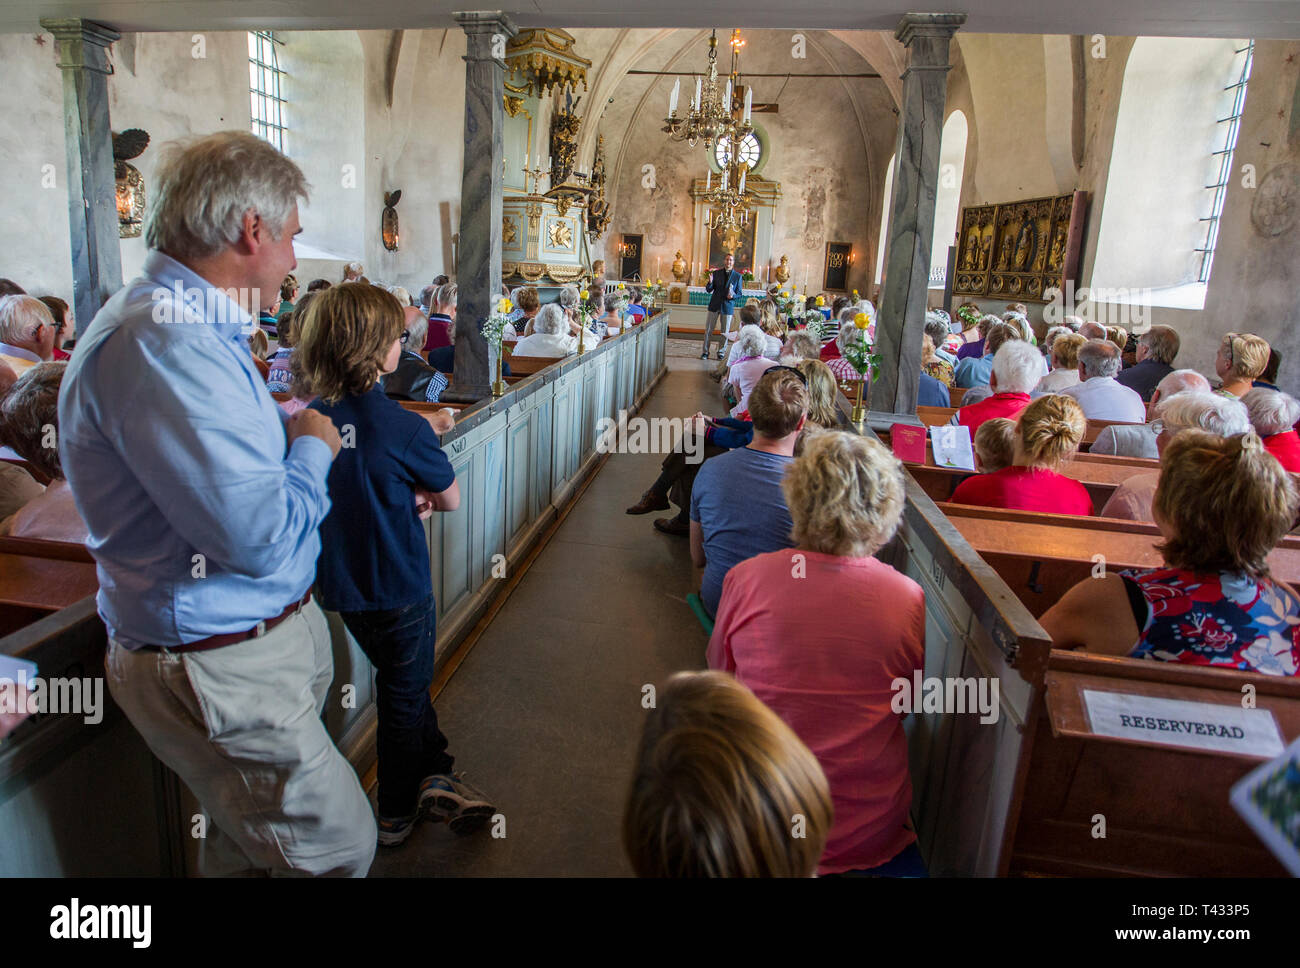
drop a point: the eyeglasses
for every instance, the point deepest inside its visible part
(789, 369)
(405, 337)
(1157, 427)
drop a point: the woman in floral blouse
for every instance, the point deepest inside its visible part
(1222, 504)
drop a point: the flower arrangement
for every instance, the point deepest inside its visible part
(653, 291)
(820, 302)
(493, 331)
(815, 326)
(858, 349)
(584, 319)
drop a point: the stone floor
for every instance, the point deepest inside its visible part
(545, 712)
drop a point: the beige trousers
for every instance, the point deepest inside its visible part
(241, 727)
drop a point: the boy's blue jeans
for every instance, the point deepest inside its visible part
(400, 644)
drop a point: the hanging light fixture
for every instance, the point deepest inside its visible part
(711, 114)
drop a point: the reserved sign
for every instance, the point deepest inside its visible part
(1177, 722)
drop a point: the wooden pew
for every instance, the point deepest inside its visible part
(955, 395)
(37, 578)
(1074, 773)
(1165, 808)
(1099, 477)
(528, 365)
(1041, 556)
(938, 416)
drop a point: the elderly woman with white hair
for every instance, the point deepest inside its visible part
(1273, 415)
(31, 407)
(798, 643)
(751, 364)
(1014, 375)
(1190, 410)
(1098, 392)
(26, 332)
(848, 335)
(1139, 440)
(551, 337)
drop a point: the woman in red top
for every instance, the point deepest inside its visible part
(1273, 414)
(1047, 436)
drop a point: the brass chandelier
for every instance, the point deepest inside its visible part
(711, 118)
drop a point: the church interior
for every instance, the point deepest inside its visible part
(962, 346)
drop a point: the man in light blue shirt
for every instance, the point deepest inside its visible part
(203, 507)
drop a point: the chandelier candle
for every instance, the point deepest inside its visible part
(672, 98)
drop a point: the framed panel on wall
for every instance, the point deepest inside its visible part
(839, 256)
(629, 263)
(738, 242)
(1020, 250)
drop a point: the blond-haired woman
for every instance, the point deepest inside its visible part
(822, 390)
(717, 777)
(790, 626)
(1048, 434)
(1241, 358)
(1214, 602)
(1065, 364)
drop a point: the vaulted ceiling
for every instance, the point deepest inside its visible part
(1200, 18)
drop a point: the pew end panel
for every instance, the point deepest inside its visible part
(1165, 808)
(967, 774)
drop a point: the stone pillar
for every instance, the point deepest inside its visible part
(911, 221)
(92, 187)
(478, 273)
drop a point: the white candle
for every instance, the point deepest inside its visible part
(708, 181)
(749, 102)
(525, 159)
(697, 93)
(548, 163)
(724, 179)
(658, 259)
(727, 104)
(743, 172)
(672, 98)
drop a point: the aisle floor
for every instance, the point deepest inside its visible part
(545, 712)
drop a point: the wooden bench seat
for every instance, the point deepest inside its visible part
(1165, 808)
(1041, 556)
(938, 416)
(37, 578)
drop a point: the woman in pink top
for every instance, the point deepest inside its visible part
(822, 632)
(1047, 436)
(749, 366)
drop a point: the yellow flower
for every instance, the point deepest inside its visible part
(855, 294)
(504, 306)
(861, 321)
(659, 282)
(820, 302)
(621, 286)
(583, 294)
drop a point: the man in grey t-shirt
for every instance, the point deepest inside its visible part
(737, 507)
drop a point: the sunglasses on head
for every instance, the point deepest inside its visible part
(789, 369)
(405, 337)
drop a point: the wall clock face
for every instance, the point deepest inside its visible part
(750, 151)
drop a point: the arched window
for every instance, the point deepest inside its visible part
(750, 151)
(886, 203)
(1179, 112)
(947, 199)
(266, 94)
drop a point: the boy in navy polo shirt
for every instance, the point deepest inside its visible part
(374, 563)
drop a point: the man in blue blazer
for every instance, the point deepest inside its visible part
(724, 284)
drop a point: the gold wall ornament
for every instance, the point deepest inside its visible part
(534, 212)
(544, 58)
(782, 272)
(509, 231)
(513, 105)
(1021, 249)
(562, 203)
(563, 274)
(130, 195)
(388, 223)
(565, 126)
(679, 267)
(559, 234)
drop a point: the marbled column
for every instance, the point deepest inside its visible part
(92, 188)
(478, 271)
(911, 220)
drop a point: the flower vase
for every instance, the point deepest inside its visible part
(499, 386)
(859, 406)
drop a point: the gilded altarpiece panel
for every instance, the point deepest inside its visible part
(1020, 250)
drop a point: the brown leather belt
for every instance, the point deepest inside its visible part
(234, 638)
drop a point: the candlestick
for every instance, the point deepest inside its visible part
(658, 259)
(749, 102)
(672, 98)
